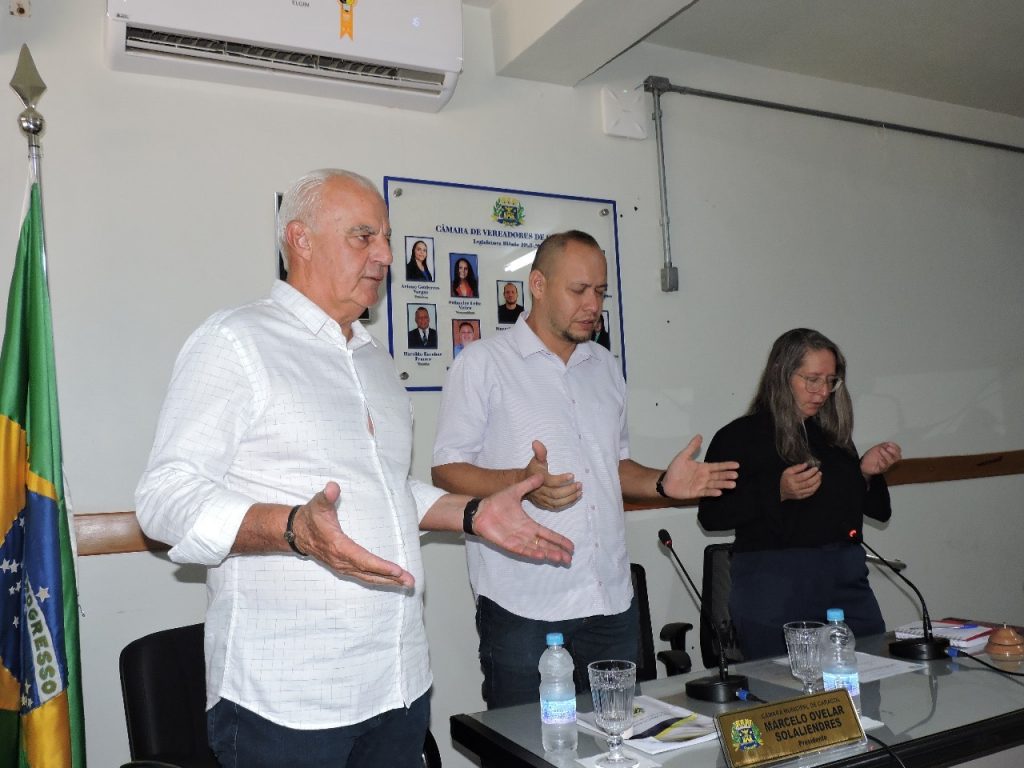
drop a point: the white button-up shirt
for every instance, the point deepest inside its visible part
(269, 402)
(502, 394)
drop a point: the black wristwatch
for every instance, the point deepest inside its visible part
(289, 534)
(469, 515)
(659, 487)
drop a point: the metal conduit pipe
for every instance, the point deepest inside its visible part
(657, 86)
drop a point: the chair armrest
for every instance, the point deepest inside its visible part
(675, 634)
(676, 662)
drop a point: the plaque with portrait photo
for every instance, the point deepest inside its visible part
(463, 254)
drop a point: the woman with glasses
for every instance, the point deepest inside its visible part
(799, 503)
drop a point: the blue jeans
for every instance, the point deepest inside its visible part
(242, 739)
(510, 648)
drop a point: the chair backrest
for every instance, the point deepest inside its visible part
(163, 683)
(715, 599)
(646, 667)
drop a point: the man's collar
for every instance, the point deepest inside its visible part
(526, 341)
(529, 343)
(314, 318)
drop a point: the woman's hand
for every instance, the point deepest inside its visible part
(879, 459)
(799, 481)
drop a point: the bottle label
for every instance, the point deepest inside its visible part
(849, 681)
(558, 712)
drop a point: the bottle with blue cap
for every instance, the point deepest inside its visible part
(557, 697)
(838, 655)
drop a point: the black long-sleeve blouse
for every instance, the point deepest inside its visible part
(754, 509)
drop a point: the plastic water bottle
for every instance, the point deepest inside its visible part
(557, 697)
(838, 656)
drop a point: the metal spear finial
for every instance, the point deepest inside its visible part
(30, 87)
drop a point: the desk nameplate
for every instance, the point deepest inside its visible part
(781, 730)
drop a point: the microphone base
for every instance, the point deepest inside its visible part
(715, 689)
(919, 649)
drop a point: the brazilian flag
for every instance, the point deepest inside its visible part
(41, 720)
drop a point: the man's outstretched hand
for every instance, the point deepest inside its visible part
(502, 521)
(318, 533)
(687, 478)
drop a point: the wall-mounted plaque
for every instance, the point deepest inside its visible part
(462, 255)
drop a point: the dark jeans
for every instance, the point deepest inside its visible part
(510, 648)
(772, 587)
(241, 739)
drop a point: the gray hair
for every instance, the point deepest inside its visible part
(775, 396)
(302, 201)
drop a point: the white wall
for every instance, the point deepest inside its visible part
(907, 250)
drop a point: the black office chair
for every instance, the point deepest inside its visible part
(431, 755)
(677, 660)
(163, 683)
(715, 599)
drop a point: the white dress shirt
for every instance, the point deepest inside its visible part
(502, 394)
(267, 403)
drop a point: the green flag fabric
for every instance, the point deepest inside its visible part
(41, 713)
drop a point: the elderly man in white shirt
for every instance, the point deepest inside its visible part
(543, 398)
(281, 462)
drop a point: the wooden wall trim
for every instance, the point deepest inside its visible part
(110, 533)
(944, 468)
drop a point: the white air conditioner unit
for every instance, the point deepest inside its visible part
(397, 53)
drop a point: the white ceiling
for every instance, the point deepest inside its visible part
(966, 52)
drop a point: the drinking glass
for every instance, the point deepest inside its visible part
(802, 639)
(611, 685)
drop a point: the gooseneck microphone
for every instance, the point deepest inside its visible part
(926, 648)
(720, 688)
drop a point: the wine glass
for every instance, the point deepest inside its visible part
(611, 685)
(802, 639)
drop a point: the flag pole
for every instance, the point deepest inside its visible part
(42, 721)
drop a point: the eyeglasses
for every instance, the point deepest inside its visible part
(815, 384)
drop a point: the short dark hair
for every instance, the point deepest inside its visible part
(554, 244)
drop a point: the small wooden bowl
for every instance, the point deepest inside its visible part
(1005, 644)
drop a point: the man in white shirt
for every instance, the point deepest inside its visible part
(281, 462)
(543, 398)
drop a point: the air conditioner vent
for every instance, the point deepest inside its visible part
(138, 39)
(392, 54)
